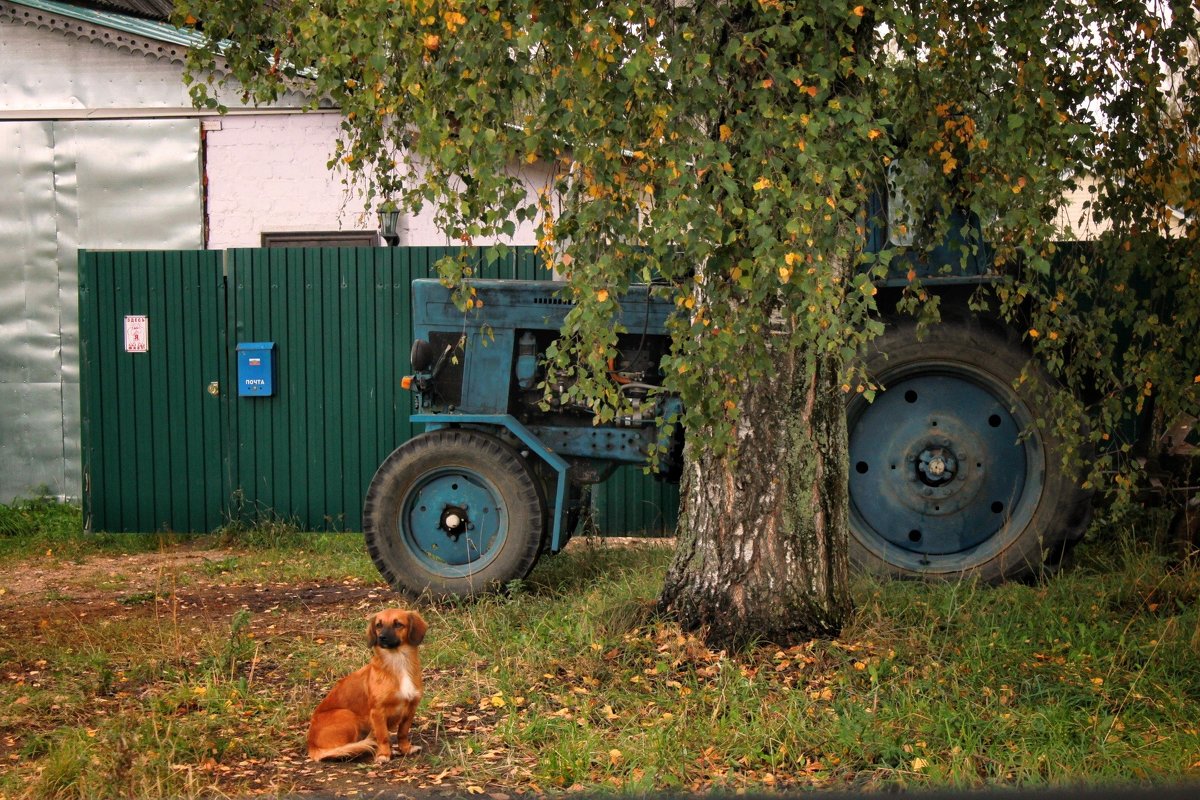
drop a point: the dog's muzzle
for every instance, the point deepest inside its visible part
(388, 641)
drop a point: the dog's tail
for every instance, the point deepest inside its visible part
(362, 747)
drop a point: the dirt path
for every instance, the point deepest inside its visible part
(42, 597)
(149, 583)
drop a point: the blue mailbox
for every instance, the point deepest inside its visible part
(256, 369)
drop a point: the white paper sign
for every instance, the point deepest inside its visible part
(137, 333)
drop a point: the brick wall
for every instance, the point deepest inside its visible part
(268, 173)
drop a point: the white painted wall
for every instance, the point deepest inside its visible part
(1074, 221)
(268, 173)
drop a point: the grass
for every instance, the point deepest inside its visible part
(198, 680)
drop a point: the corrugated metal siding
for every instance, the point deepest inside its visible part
(64, 60)
(31, 379)
(98, 185)
(341, 323)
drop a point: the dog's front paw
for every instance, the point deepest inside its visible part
(413, 750)
(383, 758)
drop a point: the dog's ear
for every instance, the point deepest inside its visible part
(372, 636)
(416, 628)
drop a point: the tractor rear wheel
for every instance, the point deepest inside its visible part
(949, 474)
(453, 512)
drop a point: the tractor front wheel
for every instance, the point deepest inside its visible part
(453, 512)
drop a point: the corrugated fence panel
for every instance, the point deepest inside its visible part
(633, 503)
(153, 436)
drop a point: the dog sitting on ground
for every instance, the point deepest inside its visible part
(364, 707)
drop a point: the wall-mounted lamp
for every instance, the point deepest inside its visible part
(389, 220)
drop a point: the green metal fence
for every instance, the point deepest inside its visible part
(632, 502)
(168, 444)
(153, 439)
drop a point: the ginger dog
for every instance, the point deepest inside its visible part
(362, 710)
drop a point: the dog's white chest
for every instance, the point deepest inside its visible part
(407, 691)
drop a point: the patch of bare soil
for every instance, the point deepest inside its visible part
(119, 587)
(143, 570)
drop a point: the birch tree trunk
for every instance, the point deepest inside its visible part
(762, 544)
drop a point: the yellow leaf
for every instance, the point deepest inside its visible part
(859, 11)
(497, 701)
(474, 790)
(690, 303)
(726, 132)
(761, 183)
(791, 258)
(919, 764)
(874, 134)
(602, 295)
(1033, 333)
(785, 274)
(614, 756)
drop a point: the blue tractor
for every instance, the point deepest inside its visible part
(495, 479)
(948, 474)
(942, 482)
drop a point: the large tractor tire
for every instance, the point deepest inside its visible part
(949, 475)
(453, 512)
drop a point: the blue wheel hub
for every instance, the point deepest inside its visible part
(453, 520)
(938, 466)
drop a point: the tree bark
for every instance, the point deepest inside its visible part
(761, 553)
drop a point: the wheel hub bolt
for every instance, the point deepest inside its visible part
(937, 465)
(454, 521)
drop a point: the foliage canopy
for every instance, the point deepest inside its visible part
(736, 151)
